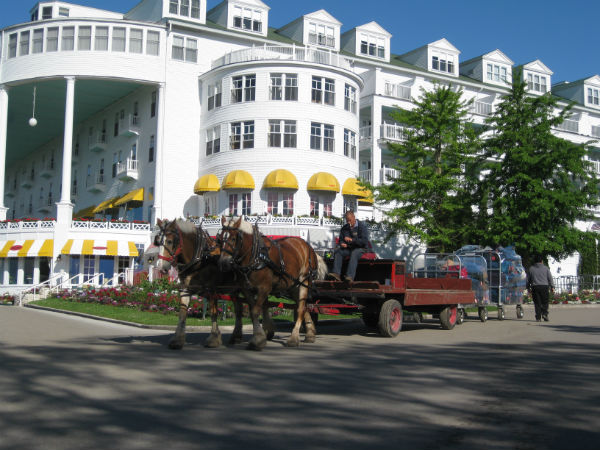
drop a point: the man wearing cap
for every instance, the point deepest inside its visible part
(539, 280)
(354, 240)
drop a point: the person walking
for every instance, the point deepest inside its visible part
(539, 280)
(353, 240)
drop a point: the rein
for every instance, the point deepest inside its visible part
(183, 269)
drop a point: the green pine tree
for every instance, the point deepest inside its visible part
(535, 185)
(431, 197)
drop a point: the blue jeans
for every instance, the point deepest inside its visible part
(341, 254)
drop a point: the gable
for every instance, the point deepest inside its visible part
(499, 57)
(323, 16)
(444, 44)
(374, 27)
(538, 66)
(251, 3)
(594, 81)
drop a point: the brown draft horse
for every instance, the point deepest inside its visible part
(195, 255)
(188, 248)
(265, 266)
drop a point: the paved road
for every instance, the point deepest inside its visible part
(73, 383)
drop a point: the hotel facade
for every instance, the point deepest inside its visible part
(109, 121)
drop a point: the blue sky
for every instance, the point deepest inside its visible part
(563, 35)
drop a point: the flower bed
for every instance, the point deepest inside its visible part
(7, 299)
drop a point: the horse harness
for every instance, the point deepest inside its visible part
(260, 258)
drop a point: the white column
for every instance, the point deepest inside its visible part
(158, 177)
(65, 207)
(3, 136)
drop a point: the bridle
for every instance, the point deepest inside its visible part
(237, 247)
(159, 241)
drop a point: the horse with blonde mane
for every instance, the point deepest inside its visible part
(283, 267)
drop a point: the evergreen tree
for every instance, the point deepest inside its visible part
(432, 195)
(536, 185)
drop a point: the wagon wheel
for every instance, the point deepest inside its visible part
(520, 312)
(500, 313)
(461, 316)
(390, 318)
(448, 317)
(483, 314)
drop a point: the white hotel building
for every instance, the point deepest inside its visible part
(171, 110)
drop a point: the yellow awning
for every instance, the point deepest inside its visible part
(352, 187)
(85, 212)
(207, 183)
(99, 247)
(106, 204)
(136, 195)
(368, 200)
(238, 179)
(27, 248)
(281, 178)
(323, 181)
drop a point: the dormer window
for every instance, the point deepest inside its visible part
(47, 12)
(186, 8)
(442, 62)
(63, 12)
(372, 45)
(537, 83)
(593, 97)
(321, 35)
(247, 19)
(497, 73)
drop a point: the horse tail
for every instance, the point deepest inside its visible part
(321, 268)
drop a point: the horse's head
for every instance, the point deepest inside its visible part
(168, 239)
(231, 241)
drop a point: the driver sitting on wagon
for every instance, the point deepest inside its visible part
(353, 240)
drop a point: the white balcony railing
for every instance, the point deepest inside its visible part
(482, 108)
(569, 125)
(366, 175)
(365, 133)
(97, 143)
(393, 132)
(129, 125)
(285, 53)
(128, 170)
(595, 165)
(29, 225)
(104, 225)
(385, 175)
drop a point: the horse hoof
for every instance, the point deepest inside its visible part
(292, 343)
(310, 339)
(257, 343)
(213, 342)
(235, 340)
(270, 335)
(176, 345)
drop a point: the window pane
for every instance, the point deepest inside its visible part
(291, 87)
(68, 38)
(191, 50)
(152, 43)
(52, 40)
(118, 40)
(84, 41)
(177, 50)
(38, 41)
(136, 37)
(12, 45)
(24, 43)
(101, 40)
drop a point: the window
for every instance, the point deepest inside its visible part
(247, 19)
(101, 39)
(52, 39)
(153, 43)
(320, 95)
(350, 144)
(153, 104)
(243, 88)
(248, 141)
(214, 95)
(151, 149)
(276, 86)
(350, 98)
(34, 18)
(236, 136)
(288, 204)
(321, 35)
(116, 127)
(233, 204)
(184, 8)
(213, 140)
(24, 43)
(177, 49)
(497, 73)
(442, 62)
(272, 203)
(12, 45)
(536, 83)
(191, 50)
(372, 45)
(118, 39)
(63, 12)
(114, 165)
(37, 43)
(84, 38)
(328, 138)
(68, 39)
(350, 203)
(315, 136)
(173, 6)
(593, 97)
(246, 203)
(327, 208)
(291, 87)
(242, 135)
(136, 40)
(275, 133)
(47, 12)
(314, 206)
(195, 11)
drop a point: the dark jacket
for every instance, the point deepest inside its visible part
(359, 235)
(539, 275)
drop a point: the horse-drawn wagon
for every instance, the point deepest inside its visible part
(383, 290)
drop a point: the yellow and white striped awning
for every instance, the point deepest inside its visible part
(99, 247)
(27, 248)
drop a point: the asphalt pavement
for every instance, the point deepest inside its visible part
(68, 382)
